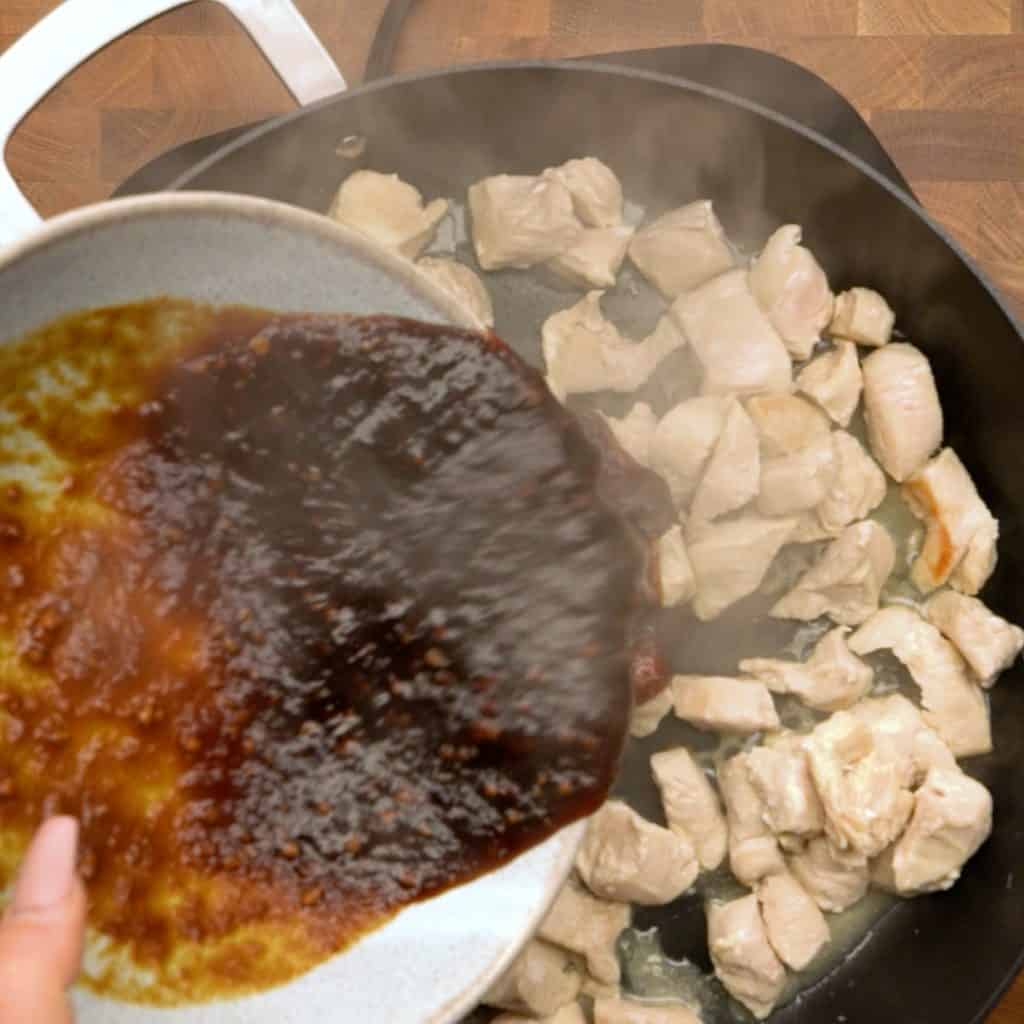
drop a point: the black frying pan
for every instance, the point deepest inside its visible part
(933, 960)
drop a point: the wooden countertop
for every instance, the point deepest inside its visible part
(940, 81)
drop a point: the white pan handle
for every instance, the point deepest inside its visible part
(76, 29)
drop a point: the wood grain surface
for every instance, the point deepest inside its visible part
(940, 81)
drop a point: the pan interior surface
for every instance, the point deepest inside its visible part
(669, 144)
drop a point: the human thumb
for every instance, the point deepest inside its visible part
(42, 931)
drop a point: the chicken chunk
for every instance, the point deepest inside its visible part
(744, 960)
(942, 494)
(833, 677)
(681, 249)
(541, 980)
(781, 777)
(738, 349)
(691, 805)
(786, 424)
(629, 1011)
(733, 471)
(730, 560)
(623, 857)
(648, 715)
(954, 706)
(796, 928)
(583, 924)
(571, 1013)
(858, 485)
(834, 380)
(673, 575)
(988, 643)
(683, 441)
(898, 728)
(835, 879)
(902, 408)
(864, 789)
(635, 431)
(462, 284)
(863, 316)
(798, 482)
(846, 581)
(388, 210)
(792, 289)
(979, 561)
(584, 352)
(952, 818)
(595, 189)
(724, 704)
(753, 850)
(520, 221)
(593, 261)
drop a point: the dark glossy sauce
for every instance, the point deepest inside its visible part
(323, 618)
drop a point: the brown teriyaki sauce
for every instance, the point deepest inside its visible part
(327, 617)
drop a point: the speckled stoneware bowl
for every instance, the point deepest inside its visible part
(434, 960)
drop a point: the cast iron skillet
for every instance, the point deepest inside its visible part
(942, 959)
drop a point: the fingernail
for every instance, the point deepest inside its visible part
(48, 870)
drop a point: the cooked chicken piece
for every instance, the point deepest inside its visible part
(598, 989)
(954, 706)
(952, 818)
(942, 495)
(596, 191)
(626, 858)
(681, 249)
(744, 960)
(691, 804)
(541, 980)
(683, 442)
(797, 929)
(753, 850)
(902, 408)
(462, 284)
(730, 560)
(989, 643)
(865, 788)
(786, 423)
(834, 380)
(583, 924)
(898, 728)
(863, 316)
(832, 677)
(792, 289)
(781, 777)
(571, 1013)
(858, 485)
(798, 482)
(584, 352)
(835, 879)
(593, 261)
(845, 582)
(634, 431)
(519, 221)
(673, 576)
(733, 471)
(808, 530)
(735, 343)
(979, 561)
(629, 1011)
(648, 715)
(388, 210)
(724, 704)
